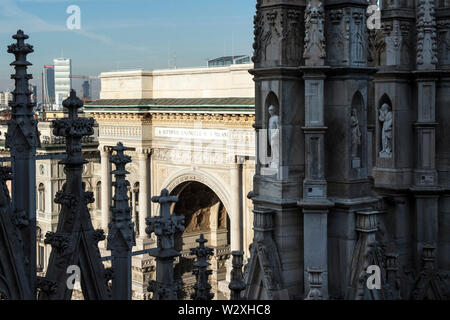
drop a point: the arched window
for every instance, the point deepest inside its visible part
(41, 197)
(98, 195)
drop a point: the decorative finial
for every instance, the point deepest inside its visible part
(121, 227)
(237, 284)
(202, 289)
(165, 226)
(73, 129)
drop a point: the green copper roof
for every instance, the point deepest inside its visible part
(200, 104)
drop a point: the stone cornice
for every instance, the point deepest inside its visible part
(206, 119)
(228, 120)
(143, 118)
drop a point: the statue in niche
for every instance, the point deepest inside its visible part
(386, 132)
(199, 220)
(274, 136)
(356, 134)
(222, 217)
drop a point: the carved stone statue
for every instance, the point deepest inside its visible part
(274, 136)
(386, 132)
(314, 47)
(356, 134)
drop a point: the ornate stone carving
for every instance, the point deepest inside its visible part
(274, 136)
(237, 284)
(443, 29)
(430, 284)
(202, 289)
(22, 138)
(121, 236)
(314, 52)
(315, 284)
(335, 40)
(271, 37)
(206, 120)
(358, 38)
(141, 118)
(118, 131)
(356, 135)
(208, 157)
(292, 39)
(59, 241)
(258, 29)
(264, 256)
(426, 35)
(75, 235)
(165, 226)
(46, 286)
(369, 251)
(385, 117)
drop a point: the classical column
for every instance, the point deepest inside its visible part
(106, 186)
(144, 170)
(133, 207)
(236, 205)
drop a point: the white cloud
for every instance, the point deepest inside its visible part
(15, 18)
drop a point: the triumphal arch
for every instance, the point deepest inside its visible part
(190, 132)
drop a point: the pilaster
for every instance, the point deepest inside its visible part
(144, 192)
(105, 186)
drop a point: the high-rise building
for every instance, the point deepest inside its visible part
(33, 90)
(5, 98)
(48, 86)
(86, 90)
(63, 80)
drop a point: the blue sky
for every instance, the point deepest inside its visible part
(126, 34)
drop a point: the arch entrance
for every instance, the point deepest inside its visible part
(206, 214)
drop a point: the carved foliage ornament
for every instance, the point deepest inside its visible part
(314, 52)
(426, 34)
(258, 30)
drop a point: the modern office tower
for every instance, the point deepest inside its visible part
(86, 90)
(33, 90)
(63, 80)
(5, 98)
(48, 86)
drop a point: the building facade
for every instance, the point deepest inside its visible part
(358, 120)
(189, 131)
(48, 86)
(63, 80)
(5, 98)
